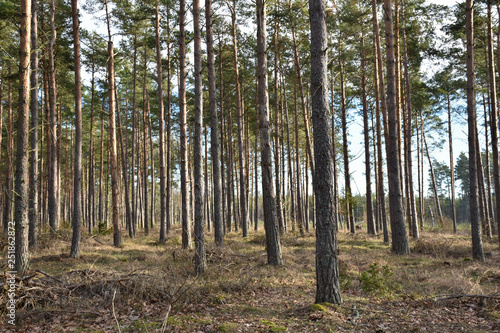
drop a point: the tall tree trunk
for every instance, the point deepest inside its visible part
(199, 239)
(77, 184)
(289, 158)
(370, 223)
(408, 145)
(433, 176)
(123, 150)
(53, 202)
(327, 274)
(452, 167)
(493, 118)
(398, 226)
(477, 244)
(214, 131)
(345, 150)
(163, 202)
(277, 127)
(33, 163)
(168, 198)
(117, 241)
(298, 214)
(8, 199)
(186, 229)
(303, 100)
(239, 108)
(21, 186)
(273, 246)
(134, 124)
(378, 79)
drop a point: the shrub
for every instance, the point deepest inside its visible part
(378, 280)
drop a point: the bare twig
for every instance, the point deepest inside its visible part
(164, 324)
(114, 313)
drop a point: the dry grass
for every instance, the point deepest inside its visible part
(239, 292)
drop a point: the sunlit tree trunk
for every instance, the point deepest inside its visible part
(477, 244)
(398, 226)
(214, 131)
(273, 246)
(327, 274)
(186, 229)
(53, 202)
(77, 184)
(21, 173)
(199, 239)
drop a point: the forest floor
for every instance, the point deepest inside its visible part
(147, 287)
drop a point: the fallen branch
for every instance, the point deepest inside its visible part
(49, 276)
(490, 296)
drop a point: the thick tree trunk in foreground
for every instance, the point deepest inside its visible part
(21, 173)
(273, 246)
(327, 274)
(477, 244)
(398, 226)
(77, 183)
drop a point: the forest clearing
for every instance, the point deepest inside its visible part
(436, 288)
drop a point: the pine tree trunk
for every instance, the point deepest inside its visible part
(276, 129)
(214, 131)
(21, 173)
(408, 145)
(493, 117)
(298, 214)
(186, 229)
(369, 204)
(161, 140)
(77, 184)
(327, 274)
(33, 163)
(477, 245)
(239, 108)
(273, 246)
(53, 202)
(398, 226)
(199, 239)
(112, 139)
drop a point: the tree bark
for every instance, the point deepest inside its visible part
(408, 145)
(214, 131)
(53, 202)
(77, 184)
(273, 246)
(370, 223)
(117, 241)
(161, 141)
(398, 226)
(477, 245)
(21, 185)
(186, 229)
(327, 275)
(33, 163)
(199, 239)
